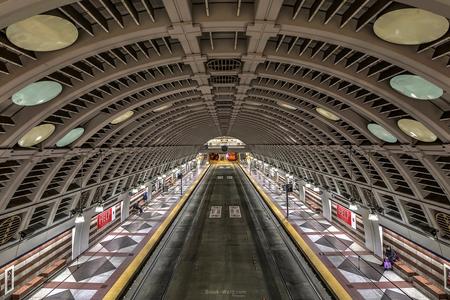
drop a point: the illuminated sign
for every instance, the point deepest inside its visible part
(106, 217)
(346, 215)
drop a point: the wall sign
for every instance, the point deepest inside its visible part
(106, 217)
(9, 279)
(346, 215)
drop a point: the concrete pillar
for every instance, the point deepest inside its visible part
(124, 206)
(301, 190)
(149, 190)
(80, 235)
(373, 233)
(326, 205)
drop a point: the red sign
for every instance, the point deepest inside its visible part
(346, 215)
(106, 217)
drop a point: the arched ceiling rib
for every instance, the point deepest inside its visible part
(223, 68)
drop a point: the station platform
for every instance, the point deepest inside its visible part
(350, 268)
(103, 270)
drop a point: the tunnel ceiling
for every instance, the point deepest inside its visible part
(328, 90)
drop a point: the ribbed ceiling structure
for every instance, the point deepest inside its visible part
(118, 91)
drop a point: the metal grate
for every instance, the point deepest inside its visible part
(224, 79)
(443, 222)
(8, 228)
(224, 65)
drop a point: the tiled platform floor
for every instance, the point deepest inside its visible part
(351, 263)
(91, 275)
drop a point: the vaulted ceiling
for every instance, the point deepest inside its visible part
(324, 89)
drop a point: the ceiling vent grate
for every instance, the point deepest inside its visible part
(224, 65)
(8, 228)
(443, 222)
(224, 79)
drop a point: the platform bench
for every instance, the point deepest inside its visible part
(405, 270)
(432, 289)
(53, 268)
(27, 288)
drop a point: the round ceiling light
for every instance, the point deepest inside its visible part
(42, 33)
(410, 26)
(416, 87)
(36, 135)
(286, 105)
(70, 137)
(162, 107)
(416, 130)
(37, 93)
(381, 133)
(327, 114)
(122, 117)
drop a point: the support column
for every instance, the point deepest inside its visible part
(301, 190)
(373, 233)
(326, 205)
(149, 190)
(80, 235)
(124, 206)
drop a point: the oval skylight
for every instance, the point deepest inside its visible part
(36, 135)
(42, 33)
(381, 133)
(327, 114)
(37, 93)
(415, 87)
(286, 105)
(123, 117)
(410, 26)
(70, 137)
(416, 130)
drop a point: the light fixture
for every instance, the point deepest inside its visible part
(99, 207)
(353, 206)
(286, 105)
(162, 107)
(70, 137)
(316, 189)
(142, 186)
(123, 117)
(415, 87)
(79, 218)
(159, 177)
(327, 114)
(36, 135)
(416, 130)
(381, 133)
(42, 33)
(410, 26)
(308, 185)
(254, 103)
(134, 190)
(433, 233)
(373, 216)
(37, 93)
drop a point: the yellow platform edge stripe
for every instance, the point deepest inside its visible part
(124, 279)
(339, 291)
